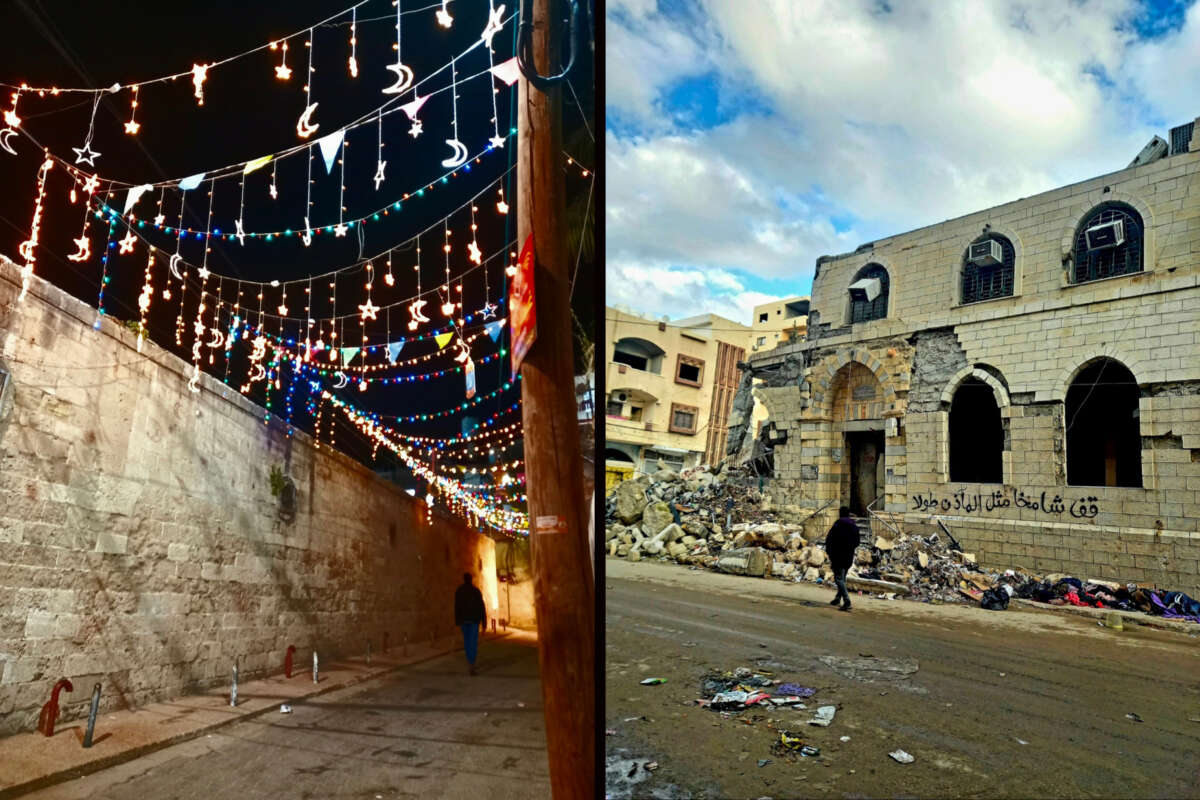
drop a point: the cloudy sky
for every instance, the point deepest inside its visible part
(747, 137)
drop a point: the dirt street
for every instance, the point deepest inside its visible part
(427, 730)
(1002, 703)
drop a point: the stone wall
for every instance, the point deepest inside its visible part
(141, 546)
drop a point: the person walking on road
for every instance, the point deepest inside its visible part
(840, 544)
(471, 616)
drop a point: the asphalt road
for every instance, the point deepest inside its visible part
(427, 730)
(1002, 703)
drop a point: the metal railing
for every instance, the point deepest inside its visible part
(875, 516)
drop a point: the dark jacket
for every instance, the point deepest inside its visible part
(468, 605)
(841, 542)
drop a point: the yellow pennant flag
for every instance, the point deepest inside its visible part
(443, 338)
(255, 164)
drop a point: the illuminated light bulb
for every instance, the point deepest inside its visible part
(389, 280)
(166, 294)
(510, 270)
(283, 311)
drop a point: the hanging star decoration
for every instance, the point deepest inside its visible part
(488, 311)
(199, 75)
(474, 253)
(160, 219)
(203, 272)
(339, 229)
(132, 127)
(443, 16)
(128, 242)
(241, 234)
(496, 141)
(368, 310)
(414, 131)
(379, 174)
(273, 190)
(92, 183)
(283, 71)
(283, 310)
(493, 26)
(85, 249)
(85, 154)
(502, 207)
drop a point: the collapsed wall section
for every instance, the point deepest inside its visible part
(141, 545)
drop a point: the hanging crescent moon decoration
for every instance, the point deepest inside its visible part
(174, 266)
(404, 78)
(259, 373)
(85, 249)
(4, 137)
(460, 154)
(306, 237)
(342, 381)
(304, 128)
(217, 339)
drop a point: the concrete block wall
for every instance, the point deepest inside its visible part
(140, 544)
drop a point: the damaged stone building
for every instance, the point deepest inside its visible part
(1029, 375)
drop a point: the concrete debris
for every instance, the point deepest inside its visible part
(901, 756)
(824, 716)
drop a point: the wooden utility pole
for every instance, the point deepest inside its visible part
(564, 586)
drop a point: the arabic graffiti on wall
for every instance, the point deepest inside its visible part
(1080, 508)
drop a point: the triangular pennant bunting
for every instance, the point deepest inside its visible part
(348, 354)
(329, 147)
(412, 107)
(255, 164)
(493, 329)
(443, 338)
(394, 350)
(192, 181)
(134, 195)
(507, 71)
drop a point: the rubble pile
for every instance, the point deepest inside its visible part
(686, 518)
(690, 518)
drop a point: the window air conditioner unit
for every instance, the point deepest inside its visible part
(986, 254)
(1108, 235)
(867, 289)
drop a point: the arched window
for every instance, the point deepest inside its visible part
(1104, 443)
(976, 434)
(863, 307)
(983, 276)
(1113, 252)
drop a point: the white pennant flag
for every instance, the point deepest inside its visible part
(329, 147)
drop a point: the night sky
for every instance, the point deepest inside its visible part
(249, 113)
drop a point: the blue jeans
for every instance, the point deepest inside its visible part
(839, 579)
(471, 640)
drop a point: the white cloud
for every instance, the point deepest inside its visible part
(661, 290)
(895, 120)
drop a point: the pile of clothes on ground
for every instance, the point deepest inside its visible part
(743, 689)
(1063, 590)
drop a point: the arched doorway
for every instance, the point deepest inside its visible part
(1104, 443)
(857, 414)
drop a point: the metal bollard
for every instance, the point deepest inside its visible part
(368, 651)
(91, 726)
(233, 692)
(50, 710)
(314, 666)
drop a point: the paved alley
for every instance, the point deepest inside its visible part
(426, 730)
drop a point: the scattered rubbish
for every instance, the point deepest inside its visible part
(1002, 675)
(762, 762)
(689, 644)
(789, 700)
(790, 741)
(1113, 620)
(794, 690)
(653, 681)
(285, 709)
(1134, 717)
(808, 751)
(865, 655)
(650, 766)
(844, 739)
(633, 719)
(901, 756)
(996, 598)
(1022, 741)
(824, 716)
(609, 732)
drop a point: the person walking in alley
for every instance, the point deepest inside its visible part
(470, 615)
(840, 544)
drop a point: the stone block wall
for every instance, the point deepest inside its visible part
(141, 546)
